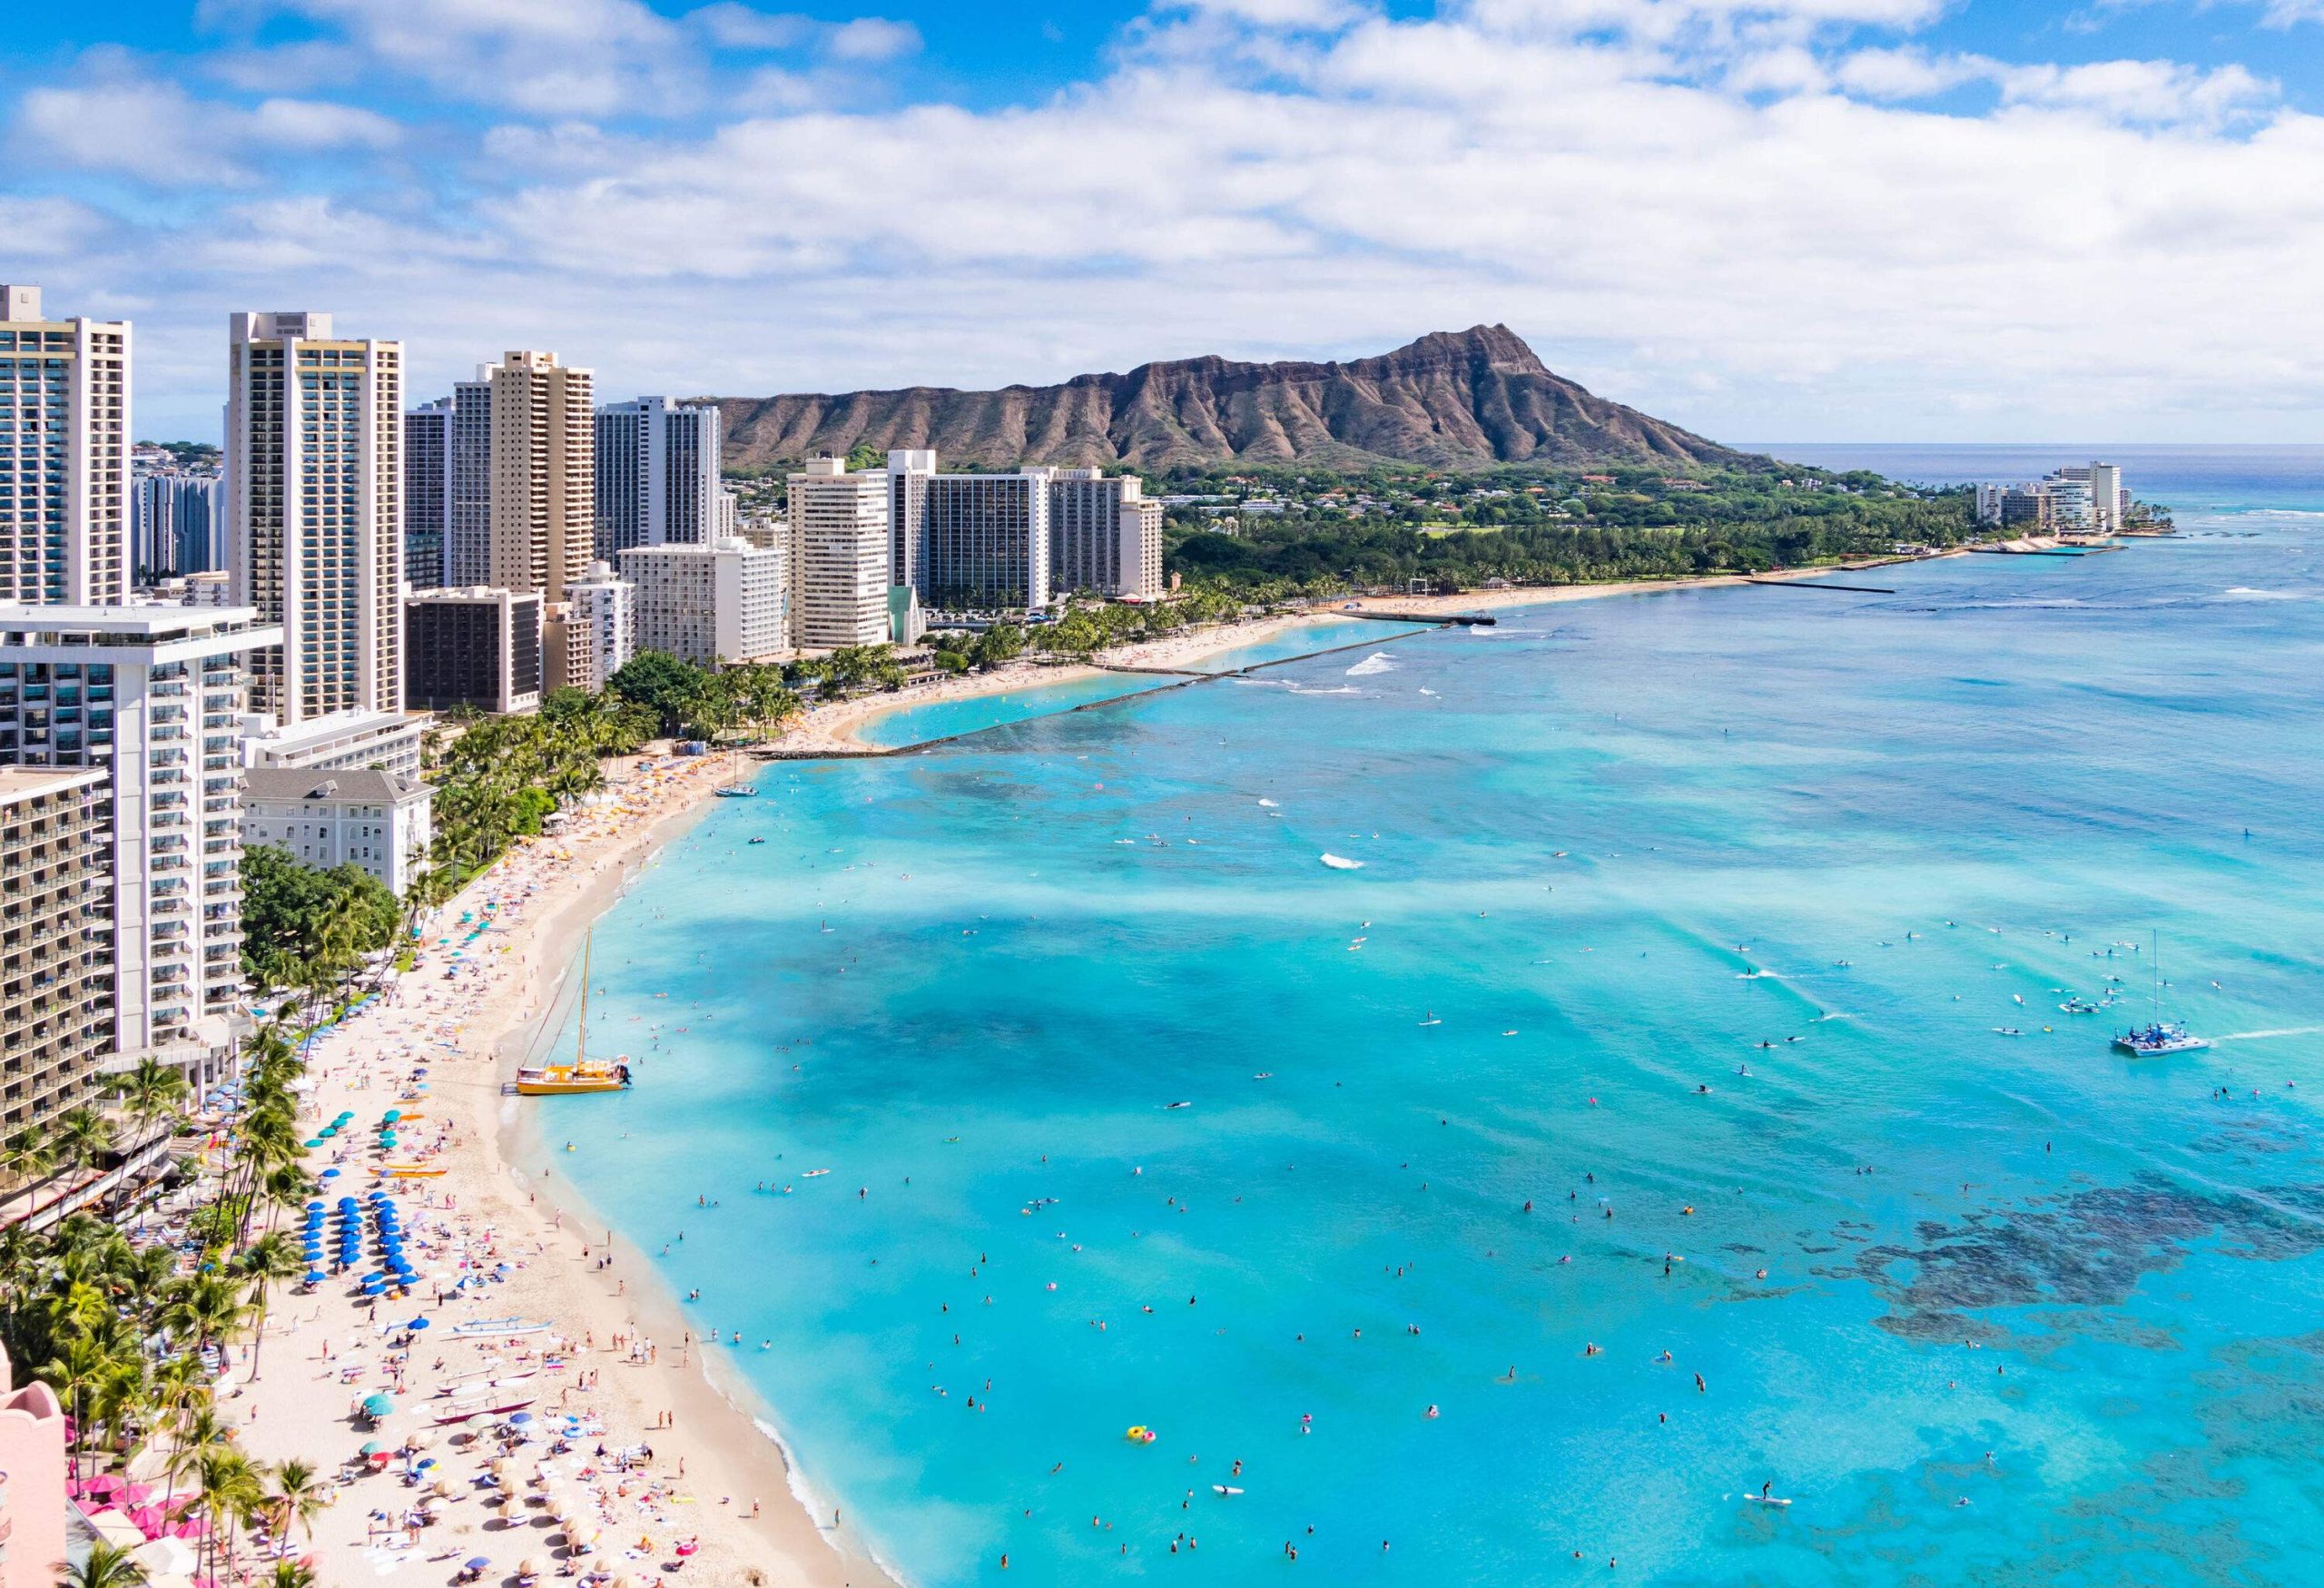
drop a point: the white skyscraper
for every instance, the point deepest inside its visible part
(152, 693)
(657, 475)
(64, 435)
(314, 471)
(600, 626)
(840, 556)
(722, 602)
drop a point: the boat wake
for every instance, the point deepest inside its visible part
(1339, 863)
(2256, 1036)
(2246, 593)
(1377, 662)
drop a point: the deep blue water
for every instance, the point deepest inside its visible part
(2032, 1313)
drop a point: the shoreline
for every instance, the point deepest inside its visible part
(835, 730)
(720, 1473)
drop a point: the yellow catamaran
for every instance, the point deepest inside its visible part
(584, 1074)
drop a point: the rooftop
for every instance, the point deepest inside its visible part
(25, 782)
(364, 787)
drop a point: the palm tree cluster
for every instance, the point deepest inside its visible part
(501, 777)
(751, 699)
(1085, 628)
(134, 1339)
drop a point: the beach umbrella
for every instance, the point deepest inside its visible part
(330, 1174)
(316, 1277)
(378, 1406)
(371, 1447)
(478, 1563)
(391, 1115)
(314, 1141)
(519, 1419)
(315, 1207)
(105, 1482)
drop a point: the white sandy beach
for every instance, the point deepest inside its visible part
(711, 1501)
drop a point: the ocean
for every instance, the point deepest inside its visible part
(1671, 1104)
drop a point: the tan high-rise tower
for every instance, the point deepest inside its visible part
(314, 505)
(65, 428)
(543, 474)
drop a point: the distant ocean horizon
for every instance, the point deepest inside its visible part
(2205, 477)
(1683, 995)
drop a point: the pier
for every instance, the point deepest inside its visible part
(1819, 584)
(1441, 619)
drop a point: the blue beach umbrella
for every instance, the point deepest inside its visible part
(314, 1206)
(316, 1277)
(416, 1324)
(330, 1174)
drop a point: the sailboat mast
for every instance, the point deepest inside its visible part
(581, 1033)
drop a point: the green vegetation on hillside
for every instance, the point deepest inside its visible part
(1536, 527)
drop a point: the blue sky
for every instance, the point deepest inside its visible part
(1808, 219)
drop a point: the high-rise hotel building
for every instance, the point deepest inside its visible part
(426, 491)
(154, 693)
(840, 556)
(657, 475)
(55, 940)
(1105, 535)
(64, 420)
(543, 474)
(314, 472)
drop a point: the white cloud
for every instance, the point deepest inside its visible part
(548, 57)
(1750, 228)
(872, 38)
(114, 120)
(2153, 92)
(1908, 72)
(736, 26)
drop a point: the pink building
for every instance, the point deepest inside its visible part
(31, 1483)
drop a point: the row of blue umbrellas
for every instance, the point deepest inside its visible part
(395, 1267)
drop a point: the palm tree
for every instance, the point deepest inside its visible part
(298, 1497)
(75, 1374)
(152, 1091)
(107, 1565)
(291, 1575)
(31, 1155)
(83, 1137)
(229, 1492)
(270, 1258)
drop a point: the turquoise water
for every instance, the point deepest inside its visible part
(971, 980)
(943, 719)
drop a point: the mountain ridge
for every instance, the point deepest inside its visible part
(1450, 399)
